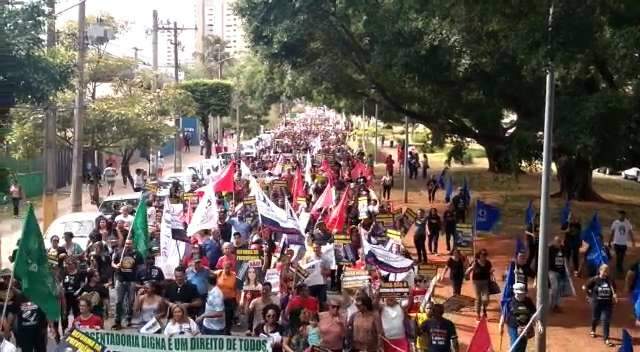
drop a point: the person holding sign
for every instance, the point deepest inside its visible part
(319, 269)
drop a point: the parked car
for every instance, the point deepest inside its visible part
(632, 174)
(80, 224)
(111, 205)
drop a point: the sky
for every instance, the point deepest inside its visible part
(138, 15)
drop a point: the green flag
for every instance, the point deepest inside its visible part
(140, 229)
(32, 269)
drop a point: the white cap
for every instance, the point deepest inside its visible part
(519, 288)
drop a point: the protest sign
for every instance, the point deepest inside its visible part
(189, 195)
(353, 278)
(300, 272)
(427, 270)
(363, 206)
(343, 254)
(397, 214)
(279, 184)
(251, 200)
(79, 341)
(151, 187)
(464, 240)
(341, 238)
(398, 289)
(116, 341)
(386, 219)
(272, 276)
(411, 215)
(394, 235)
(248, 255)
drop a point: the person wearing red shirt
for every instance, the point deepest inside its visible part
(86, 319)
(227, 257)
(302, 300)
(416, 295)
(389, 164)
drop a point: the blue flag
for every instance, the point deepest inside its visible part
(596, 254)
(441, 179)
(507, 291)
(520, 247)
(466, 192)
(529, 214)
(487, 216)
(449, 192)
(627, 342)
(564, 215)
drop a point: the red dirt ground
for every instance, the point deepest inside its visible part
(567, 331)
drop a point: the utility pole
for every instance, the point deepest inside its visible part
(542, 291)
(78, 116)
(405, 162)
(238, 129)
(375, 142)
(49, 203)
(135, 54)
(177, 161)
(154, 43)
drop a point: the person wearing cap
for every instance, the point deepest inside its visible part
(440, 333)
(521, 310)
(124, 264)
(601, 292)
(621, 234)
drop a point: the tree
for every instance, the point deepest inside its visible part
(213, 58)
(212, 98)
(466, 69)
(28, 74)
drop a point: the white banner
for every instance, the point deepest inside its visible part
(170, 250)
(206, 215)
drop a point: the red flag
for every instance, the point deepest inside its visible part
(297, 188)
(338, 216)
(324, 201)
(358, 170)
(224, 182)
(481, 341)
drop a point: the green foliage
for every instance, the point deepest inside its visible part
(457, 67)
(458, 152)
(211, 63)
(26, 70)
(211, 97)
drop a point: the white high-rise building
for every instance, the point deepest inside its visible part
(217, 17)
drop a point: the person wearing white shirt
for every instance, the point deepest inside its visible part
(180, 323)
(213, 318)
(124, 216)
(319, 269)
(621, 233)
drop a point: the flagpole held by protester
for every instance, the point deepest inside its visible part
(31, 262)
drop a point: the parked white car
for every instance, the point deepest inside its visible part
(112, 204)
(80, 224)
(632, 174)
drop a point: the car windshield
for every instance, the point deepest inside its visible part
(109, 207)
(78, 228)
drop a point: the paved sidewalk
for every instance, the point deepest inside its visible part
(10, 228)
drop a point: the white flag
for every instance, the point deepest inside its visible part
(206, 215)
(170, 250)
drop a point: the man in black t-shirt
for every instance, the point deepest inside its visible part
(440, 333)
(184, 293)
(30, 324)
(557, 272)
(523, 271)
(460, 204)
(124, 263)
(449, 217)
(521, 310)
(150, 273)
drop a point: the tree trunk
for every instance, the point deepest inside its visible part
(207, 141)
(124, 166)
(575, 174)
(500, 157)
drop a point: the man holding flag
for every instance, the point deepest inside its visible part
(38, 300)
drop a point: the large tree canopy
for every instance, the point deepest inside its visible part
(471, 69)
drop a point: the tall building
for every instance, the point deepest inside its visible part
(217, 17)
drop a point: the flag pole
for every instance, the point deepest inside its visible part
(9, 287)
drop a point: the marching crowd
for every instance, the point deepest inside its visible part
(307, 306)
